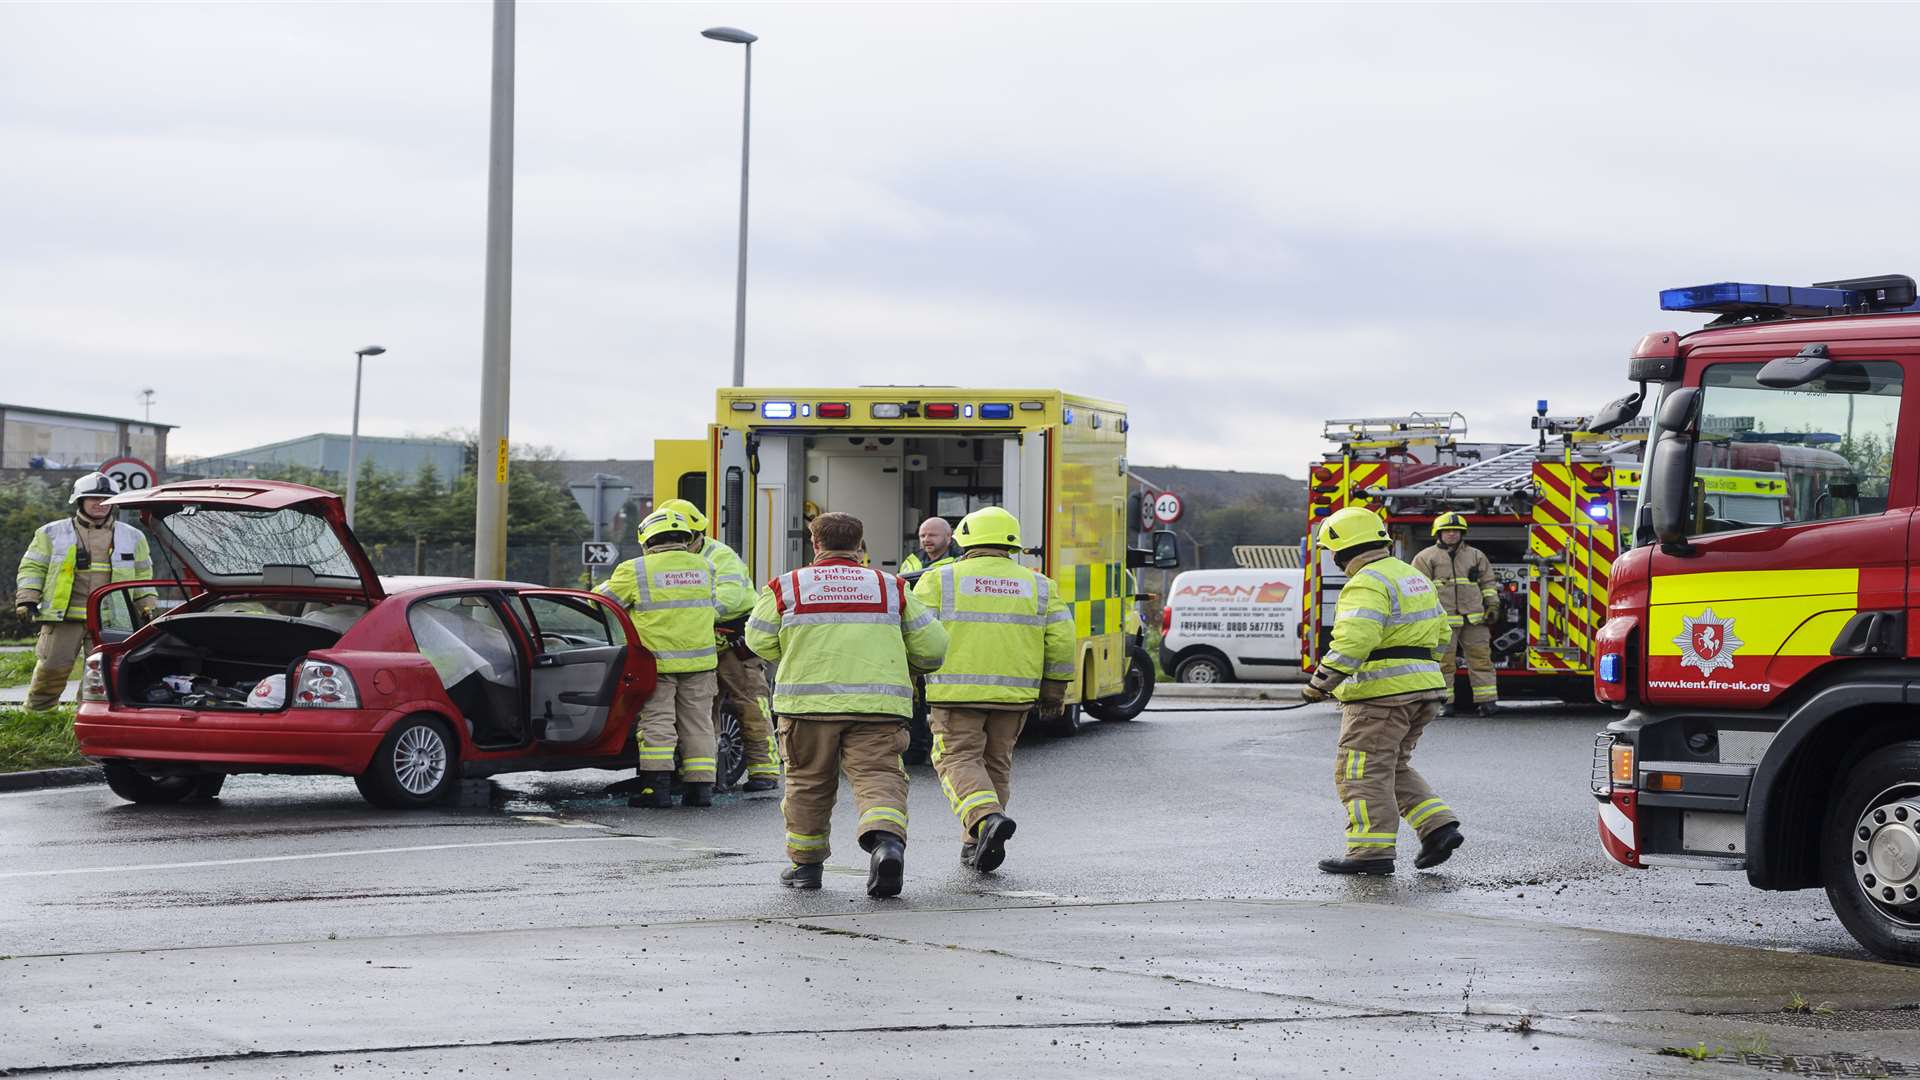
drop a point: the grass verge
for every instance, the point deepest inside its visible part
(30, 740)
(15, 668)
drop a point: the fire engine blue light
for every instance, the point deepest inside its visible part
(996, 412)
(1735, 295)
(1610, 667)
(777, 410)
(1598, 511)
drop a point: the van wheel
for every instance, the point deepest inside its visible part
(415, 766)
(1204, 668)
(1870, 853)
(137, 787)
(1130, 702)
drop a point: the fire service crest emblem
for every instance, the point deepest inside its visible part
(1707, 643)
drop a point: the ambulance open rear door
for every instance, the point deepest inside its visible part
(1024, 468)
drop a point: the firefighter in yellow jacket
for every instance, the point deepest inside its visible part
(64, 563)
(742, 679)
(1471, 598)
(848, 640)
(1010, 645)
(671, 595)
(1380, 666)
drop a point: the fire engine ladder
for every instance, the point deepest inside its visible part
(1380, 431)
(1499, 477)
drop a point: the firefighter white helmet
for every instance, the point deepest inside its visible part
(94, 485)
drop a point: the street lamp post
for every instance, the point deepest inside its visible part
(740, 37)
(353, 440)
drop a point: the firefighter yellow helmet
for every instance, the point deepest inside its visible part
(687, 510)
(991, 526)
(1351, 527)
(662, 523)
(1452, 519)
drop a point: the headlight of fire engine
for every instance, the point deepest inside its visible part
(322, 685)
(93, 680)
(1622, 771)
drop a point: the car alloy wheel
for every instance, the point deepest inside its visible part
(1202, 669)
(420, 759)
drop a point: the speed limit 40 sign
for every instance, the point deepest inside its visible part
(129, 474)
(1167, 508)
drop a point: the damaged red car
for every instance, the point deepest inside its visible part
(280, 650)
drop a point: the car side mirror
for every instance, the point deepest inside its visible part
(1166, 550)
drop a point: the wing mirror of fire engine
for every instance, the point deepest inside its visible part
(1618, 411)
(1676, 410)
(1670, 474)
(1787, 372)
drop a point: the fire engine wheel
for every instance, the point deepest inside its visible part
(416, 766)
(1870, 854)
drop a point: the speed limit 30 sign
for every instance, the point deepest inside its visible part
(129, 474)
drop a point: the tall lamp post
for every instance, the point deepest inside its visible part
(740, 37)
(353, 440)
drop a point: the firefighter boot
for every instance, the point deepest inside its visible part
(653, 791)
(801, 876)
(966, 853)
(760, 783)
(991, 835)
(696, 794)
(889, 863)
(1438, 846)
(1486, 708)
(1369, 867)
(1446, 708)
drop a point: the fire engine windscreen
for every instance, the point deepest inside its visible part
(1814, 452)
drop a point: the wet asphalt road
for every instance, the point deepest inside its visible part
(1219, 804)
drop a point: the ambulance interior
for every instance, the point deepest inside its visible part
(890, 481)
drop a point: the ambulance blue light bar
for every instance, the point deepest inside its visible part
(996, 412)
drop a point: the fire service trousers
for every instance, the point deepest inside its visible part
(678, 717)
(973, 753)
(1476, 644)
(1374, 774)
(816, 749)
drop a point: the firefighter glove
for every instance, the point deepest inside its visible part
(1053, 697)
(1311, 692)
(26, 611)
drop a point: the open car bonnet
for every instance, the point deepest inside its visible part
(249, 534)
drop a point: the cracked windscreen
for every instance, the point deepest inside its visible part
(228, 543)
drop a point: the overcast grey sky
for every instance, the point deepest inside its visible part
(1239, 220)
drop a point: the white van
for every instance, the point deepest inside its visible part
(1222, 625)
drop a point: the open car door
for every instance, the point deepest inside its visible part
(112, 616)
(590, 674)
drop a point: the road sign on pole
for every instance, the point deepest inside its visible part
(601, 501)
(129, 474)
(599, 554)
(1167, 508)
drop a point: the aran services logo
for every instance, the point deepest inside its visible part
(1707, 643)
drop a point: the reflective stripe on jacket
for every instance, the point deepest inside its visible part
(1464, 579)
(670, 594)
(916, 560)
(846, 639)
(1007, 629)
(1386, 606)
(48, 568)
(732, 588)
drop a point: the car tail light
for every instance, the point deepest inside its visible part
(1166, 620)
(324, 685)
(93, 680)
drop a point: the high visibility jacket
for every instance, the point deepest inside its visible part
(1385, 630)
(916, 560)
(1007, 629)
(732, 588)
(51, 563)
(847, 639)
(670, 595)
(1464, 580)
